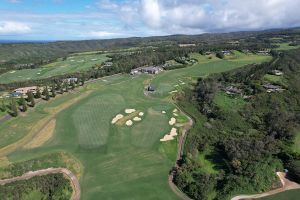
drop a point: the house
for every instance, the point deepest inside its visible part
(272, 88)
(232, 90)
(226, 52)
(150, 88)
(24, 90)
(147, 70)
(151, 70)
(108, 64)
(70, 80)
(264, 52)
(277, 72)
(16, 94)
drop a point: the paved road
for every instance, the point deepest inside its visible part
(75, 183)
(286, 185)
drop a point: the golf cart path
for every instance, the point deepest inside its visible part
(181, 142)
(75, 183)
(286, 185)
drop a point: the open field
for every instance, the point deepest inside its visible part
(118, 162)
(70, 65)
(285, 46)
(174, 80)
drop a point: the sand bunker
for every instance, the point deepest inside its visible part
(116, 118)
(129, 123)
(176, 85)
(129, 110)
(172, 121)
(169, 136)
(12, 72)
(137, 119)
(175, 114)
(163, 112)
(141, 114)
(175, 110)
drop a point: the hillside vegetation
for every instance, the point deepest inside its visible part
(242, 138)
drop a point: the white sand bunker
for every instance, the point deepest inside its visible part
(129, 110)
(169, 136)
(116, 118)
(163, 112)
(173, 132)
(175, 114)
(141, 114)
(129, 123)
(12, 72)
(172, 121)
(174, 91)
(175, 110)
(137, 119)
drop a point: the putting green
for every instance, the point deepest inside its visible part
(118, 161)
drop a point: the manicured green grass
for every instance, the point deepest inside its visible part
(119, 162)
(229, 103)
(70, 65)
(285, 46)
(287, 195)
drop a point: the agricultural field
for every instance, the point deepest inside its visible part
(74, 63)
(119, 160)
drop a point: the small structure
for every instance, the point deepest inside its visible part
(272, 88)
(264, 52)
(232, 90)
(150, 88)
(24, 90)
(16, 94)
(226, 52)
(70, 80)
(108, 64)
(277, 72)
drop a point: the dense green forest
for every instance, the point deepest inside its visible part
(241, 138)
(51, 187)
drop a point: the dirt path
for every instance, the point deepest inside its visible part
(180, 148)
(42, 172)
(286, 185)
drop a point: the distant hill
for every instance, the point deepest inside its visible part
(31, 51)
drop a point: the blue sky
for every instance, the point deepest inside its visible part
(97, 19)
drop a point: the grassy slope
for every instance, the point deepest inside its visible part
(119, 161)
(288, 195)
(70, 65)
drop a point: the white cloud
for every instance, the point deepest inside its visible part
(100, 34)
(216, 15)
(12, 27)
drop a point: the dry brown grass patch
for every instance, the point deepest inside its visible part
(43, 136)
